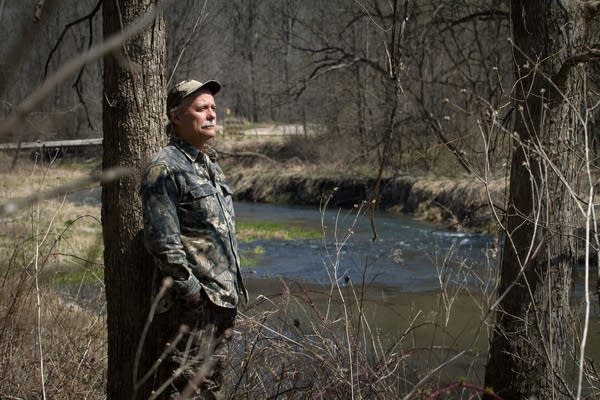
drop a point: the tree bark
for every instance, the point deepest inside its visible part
(133, 115)
(533, 319)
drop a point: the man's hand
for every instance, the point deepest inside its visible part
(193, 299)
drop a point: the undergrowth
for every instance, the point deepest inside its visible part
(52, 337)
(300, 343)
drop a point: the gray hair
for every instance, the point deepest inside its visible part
(175, 110)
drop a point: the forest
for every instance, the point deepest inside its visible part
(342, 67)
(489, 92)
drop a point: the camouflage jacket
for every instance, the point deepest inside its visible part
(189, 225)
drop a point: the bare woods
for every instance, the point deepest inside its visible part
(479, 91)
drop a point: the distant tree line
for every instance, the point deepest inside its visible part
(426, 76)
(424, 80)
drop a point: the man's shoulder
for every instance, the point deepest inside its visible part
(167, 159)
(167, 153)
(168, 156)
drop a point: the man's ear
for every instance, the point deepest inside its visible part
(174, 118)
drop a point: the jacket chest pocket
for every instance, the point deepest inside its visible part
(199, 206)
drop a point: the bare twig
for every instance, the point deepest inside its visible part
(590, 55)
(110, 44)
(36, 255)
(93, 180)
(589, 219)
(201, 18)
(432, 373)
(39, 325)
(88, 18)
(167, 283)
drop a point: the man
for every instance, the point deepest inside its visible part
(189, 229)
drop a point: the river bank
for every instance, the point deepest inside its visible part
(456, 203)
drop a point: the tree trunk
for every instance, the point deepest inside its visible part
(134, 111)
(533, 320)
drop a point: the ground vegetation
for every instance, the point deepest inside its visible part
(435, 104)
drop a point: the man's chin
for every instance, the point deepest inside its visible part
(208, 133)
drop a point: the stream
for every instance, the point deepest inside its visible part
(401, 276)
(407, 256)
(413, 273)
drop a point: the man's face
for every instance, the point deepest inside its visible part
(196, 122)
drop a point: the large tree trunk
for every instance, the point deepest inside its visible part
(533, 321)
(134, 92)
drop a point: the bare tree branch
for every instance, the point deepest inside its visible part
(93, 180)
(200, 19)
(110, 44)
(591, 55)
(88, 18)
(15, 54)
(436, 127)
(482, 15)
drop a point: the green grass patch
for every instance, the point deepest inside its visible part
(251, 231)
(249, 258)
(75, 276)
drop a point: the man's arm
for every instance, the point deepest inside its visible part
(162, 233)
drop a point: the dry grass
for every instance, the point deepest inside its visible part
(297, 344)
(71, 353)
(341, 343)
(53, 339)
(294, 345)
(458, 203)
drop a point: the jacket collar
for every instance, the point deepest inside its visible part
(191, 152)
(186, 148)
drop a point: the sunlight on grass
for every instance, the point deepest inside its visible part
(249, 258)
(74, 230)
(250, 231)
(79, 275)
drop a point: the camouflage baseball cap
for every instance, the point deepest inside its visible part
(185, 88)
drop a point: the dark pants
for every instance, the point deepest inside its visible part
(201, 338)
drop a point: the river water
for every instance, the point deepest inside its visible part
(407, 256)
(414, 274)
(418, 276)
